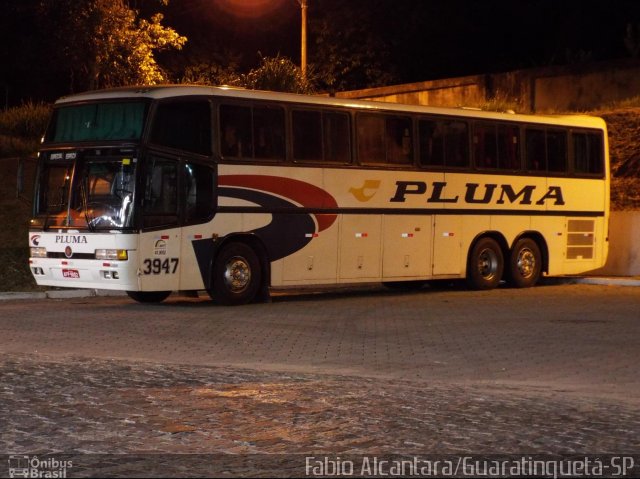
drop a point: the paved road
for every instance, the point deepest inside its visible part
(549, 370)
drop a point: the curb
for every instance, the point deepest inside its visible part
(61, 294)
(612, 281)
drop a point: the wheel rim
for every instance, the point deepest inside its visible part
(237, 274)
(526, 263)
(488, 263)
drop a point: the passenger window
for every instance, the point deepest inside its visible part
(444, 143)
(252, 132)
(371, 141)
(198, 193)
(508, 147)
(268, 133)
(384, 139)
(235, 131)
(587, 151)
(557, 151)
(337, 137)
(307, 135)
(398, 143)
(161, 193)
(485, 147)
(536, 150)
(183, 126)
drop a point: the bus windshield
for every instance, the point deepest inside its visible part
(122, 120)
(92, 193)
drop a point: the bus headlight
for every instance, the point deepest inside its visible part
(112, 254)
(38, 252)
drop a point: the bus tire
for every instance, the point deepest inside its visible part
(486, 264)
(148, 296)
(237, 275)
(525, 263)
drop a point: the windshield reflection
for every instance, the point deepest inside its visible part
(101, 195)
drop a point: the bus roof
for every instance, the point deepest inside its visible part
(172, 91)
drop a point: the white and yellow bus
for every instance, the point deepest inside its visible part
(188, 188)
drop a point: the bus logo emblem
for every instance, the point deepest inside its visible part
(367, 191)
(68, 252)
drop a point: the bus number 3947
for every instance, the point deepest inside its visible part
(158, 266)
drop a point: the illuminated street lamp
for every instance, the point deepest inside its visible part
(303, 38)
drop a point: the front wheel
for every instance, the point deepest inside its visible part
(237, 275)
(486, 264)
(149, 296)
(525, 264)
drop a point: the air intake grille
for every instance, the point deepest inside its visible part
(580, 239)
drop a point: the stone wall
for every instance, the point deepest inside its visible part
(624, 244)
(538, 90)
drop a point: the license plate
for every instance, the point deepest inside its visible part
(71, 273)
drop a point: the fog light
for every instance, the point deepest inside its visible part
(112, 254)
(38, 252)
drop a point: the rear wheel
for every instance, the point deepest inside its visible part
(486, 264)
(149, 296)
(237, 275)
(525, 264)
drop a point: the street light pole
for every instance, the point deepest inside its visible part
(303, 39)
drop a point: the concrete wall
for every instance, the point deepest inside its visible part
(624, 244)
(538, 90)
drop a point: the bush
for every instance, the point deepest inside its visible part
(22, 127)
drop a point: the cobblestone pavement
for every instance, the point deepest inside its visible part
(142, 417)
(82, 406)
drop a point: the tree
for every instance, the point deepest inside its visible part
(349, 54)
(71, 46)
(123, 45)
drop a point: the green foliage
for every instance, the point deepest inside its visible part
(210, 73)
(105, 43)
(349, 54)
(124, 45)
(277, 74)
(21, 128)
(502, 102)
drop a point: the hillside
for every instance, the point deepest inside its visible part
(624, 148)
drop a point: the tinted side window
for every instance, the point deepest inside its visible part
(399, 144)
(587, 152)
(337, 137)
(508, 147)
(557, 151)
(536, 150)
(371, 143)
(268, 133)
(485, 146)
(307, 135)
(236, 138)
(198, 192)
(444, 143)
(384, 139)
(161, 193)
(321, 136)
(252, 132)
(184, 126)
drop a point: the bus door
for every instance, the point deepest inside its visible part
(160, 241)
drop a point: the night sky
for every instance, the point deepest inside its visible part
(429, 39)
(424, 39)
